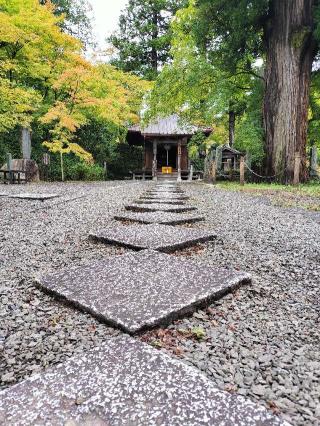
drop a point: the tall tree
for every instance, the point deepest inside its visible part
(290, 51)
(282, 32)
(142, 42)
(200, 89)
(77, 18)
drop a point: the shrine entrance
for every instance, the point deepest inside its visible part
(167, 156)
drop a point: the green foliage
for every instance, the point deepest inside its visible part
(199, 86)
(77, 22)
(314, 116)
(123, 158)
(249, 134)
(83, 171)
(142, 42)
(197, 149)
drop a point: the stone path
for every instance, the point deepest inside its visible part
(138, 291)
(125, 382)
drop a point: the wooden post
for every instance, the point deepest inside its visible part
(179, 161)
(154, 163)
(297, 163)
(242, 170)
(62, 168)
(214, 171)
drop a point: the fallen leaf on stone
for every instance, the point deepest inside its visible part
(198, 332)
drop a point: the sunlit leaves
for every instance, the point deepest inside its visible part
(44, 77)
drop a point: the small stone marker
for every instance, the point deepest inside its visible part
(40, 197)
(153, 236)
(126, 382)
(138, 291)
(159, 217)
(159, 207)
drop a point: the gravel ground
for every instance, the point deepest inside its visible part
(262, 341)
(35, 238)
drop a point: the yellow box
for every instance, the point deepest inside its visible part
(167, 170)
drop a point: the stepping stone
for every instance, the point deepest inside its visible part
(153, 236)
(167, 190)
(164, 197)
(159, 217)
(40, 197)
(159, 207)
(161, 201)
(138, 291)
(126, 382)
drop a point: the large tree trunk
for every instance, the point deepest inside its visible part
(290, 53)
(232, 127)
(155, 34)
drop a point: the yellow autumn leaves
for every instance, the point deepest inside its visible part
(44, 77)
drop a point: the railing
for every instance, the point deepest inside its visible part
(13, 176)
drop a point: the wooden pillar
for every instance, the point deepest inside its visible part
(154, 163)
(297, 163)
(242, 170)
(179, 161)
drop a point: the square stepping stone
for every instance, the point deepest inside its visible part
(153, 236)
(167, 190)
(138, 291)
(159, 217)
(126, 382)
(164, 197)
(159, 207)
(161, 201)
(39, 197)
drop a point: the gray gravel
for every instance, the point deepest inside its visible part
(35, 238)
(261, 342)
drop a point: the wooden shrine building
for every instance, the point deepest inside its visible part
(165, 146)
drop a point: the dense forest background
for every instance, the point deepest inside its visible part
(248, 69)
(75, 109)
